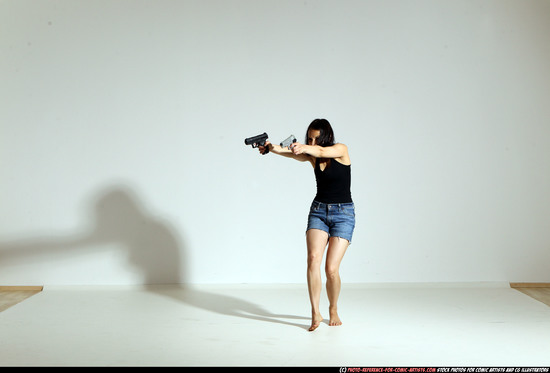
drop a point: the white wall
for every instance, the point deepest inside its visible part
(122, 124)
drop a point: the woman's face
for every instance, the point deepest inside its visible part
(313, 136)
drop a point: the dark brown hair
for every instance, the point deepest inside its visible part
(326, 136)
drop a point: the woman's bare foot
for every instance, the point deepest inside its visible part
(315, 322)
(334, 318)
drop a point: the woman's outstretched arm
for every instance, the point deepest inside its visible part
(336, 151)
(285, 152)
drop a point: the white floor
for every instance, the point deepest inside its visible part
(266, 325)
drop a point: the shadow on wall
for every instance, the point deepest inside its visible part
(121, 221)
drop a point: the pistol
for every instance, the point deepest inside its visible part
(288, 141)
(257, 141)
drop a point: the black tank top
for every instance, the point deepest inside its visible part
(333, 183)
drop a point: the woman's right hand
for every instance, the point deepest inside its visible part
(265, 149)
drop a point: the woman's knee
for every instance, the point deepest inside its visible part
(314, 260)
(332, 271)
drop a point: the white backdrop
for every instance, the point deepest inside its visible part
(122, 126)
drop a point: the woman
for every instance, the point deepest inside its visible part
(331, 218)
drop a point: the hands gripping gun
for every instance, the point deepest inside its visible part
(288, 141)
(257, 141)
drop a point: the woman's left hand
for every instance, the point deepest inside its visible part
(298, 148)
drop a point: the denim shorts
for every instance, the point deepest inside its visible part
(337, 219)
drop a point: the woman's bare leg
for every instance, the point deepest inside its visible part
(316, 243)
(336, 249)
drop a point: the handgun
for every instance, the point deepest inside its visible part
(257, 141)
(288, 141)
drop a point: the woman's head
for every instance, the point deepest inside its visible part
(320, 133)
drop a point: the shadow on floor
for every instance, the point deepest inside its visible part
(224, 304)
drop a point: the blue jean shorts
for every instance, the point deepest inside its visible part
(337, 219)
